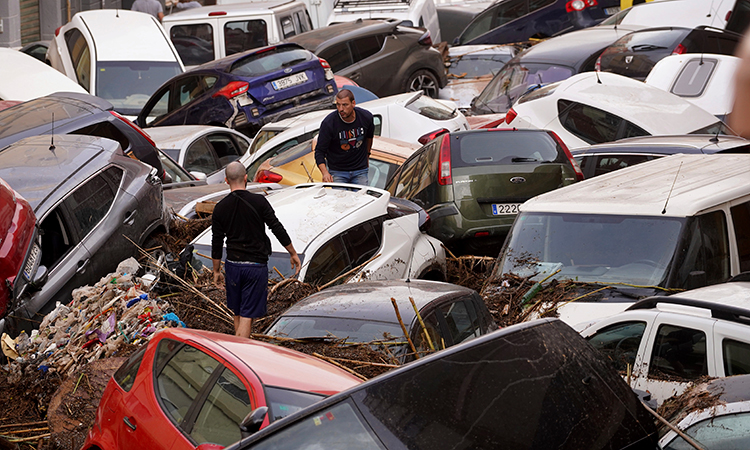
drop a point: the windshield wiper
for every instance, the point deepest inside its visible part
(646, 47)
(519, 159)
(293, 62)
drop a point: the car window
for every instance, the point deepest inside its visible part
(406, 178)
(476, 65)
(194, 43)
(339, 57)
(188, 89)
(89, 203)
(379, 172)
(175, 172)
(725, 431)
(741, 224)
(736, 357)
(704, 252)
(128, 85)
(706, 41)
(160, 108)
(200, 157)
(430, 338)
(245, 35)
(479, 26)
(632, 130)
(80, 57)
(537, 4)
(287, 26)
(252, 169)
(693, 78)
(57, 237)
(590, 124)
(125, 375)
(282, 402)
(432, 109)
(367, 46)
(680, 352)
(610, 163)
(619, 343)
(462, 321)
(363, 241)
(225, 407)
(181, 379)
(514, 80)
(329, 262)
(495, 148)
(225, 148)
(510, 10)
(377, 122)
(304, 21)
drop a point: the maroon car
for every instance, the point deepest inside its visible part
(17, 229)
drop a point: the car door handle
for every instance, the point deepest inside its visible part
(355, 76)
(129, 423)
(82, 266)
(129, 217)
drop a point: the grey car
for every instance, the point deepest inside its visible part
(379, 55)
(89, 200)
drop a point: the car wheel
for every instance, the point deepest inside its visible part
(423, 80)
(157, 250)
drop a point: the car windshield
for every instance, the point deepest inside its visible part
(592, 248)
(353, 330)
(431, 108)
(514, 80)
(475, 65)
(282, 402)
(129, 84)
(269, 61)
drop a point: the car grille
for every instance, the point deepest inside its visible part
(240, 119)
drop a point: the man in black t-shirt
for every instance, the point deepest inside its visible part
(343, 150)
(241, 217)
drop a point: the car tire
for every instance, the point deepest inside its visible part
(423, 80)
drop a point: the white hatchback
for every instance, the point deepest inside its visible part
(25, 78)
(119, 55)
(346, 233)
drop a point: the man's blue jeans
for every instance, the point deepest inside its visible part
(352, 176)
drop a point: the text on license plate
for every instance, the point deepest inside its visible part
(505, 208)
(611, 11)
(31, 262)
(291, 80)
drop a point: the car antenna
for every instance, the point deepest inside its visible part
(597, 77)
(715, 137)
(52, 136)
(664, 211)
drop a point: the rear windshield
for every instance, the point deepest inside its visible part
(476, 65)
(353, 330)
(432, 109)
(291, 154)
(666, 39)
(129, 84)
(270, 61)
(505, 147)
(36, 113)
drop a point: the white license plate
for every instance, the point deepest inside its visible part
(611, 11)
(291, 80)
(499, 209)
(28, 268)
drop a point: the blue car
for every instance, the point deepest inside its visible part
(244, 91)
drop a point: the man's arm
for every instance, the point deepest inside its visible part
(368, 144)
(321, 151)
(294, 258)
(217, 271)
(217, 245)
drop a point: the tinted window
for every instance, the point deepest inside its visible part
(287, 26)
(225, 407)
(129, 84)
(462, 321)
(107, 130)
(160, 108)
(194, 43)
(479, 26)
(619, 343)
(225, 148)
(80, 57)
(721, 432)
(694, 77)
(510, 10)
(367, 46)
(406, 178)
(429, 338)
(328, 262)
(57, 238)
(338, 56)
(90, 202)
(282, 402)
(125, 375)
(591, 124)
(707, 41)
(189, 89)
(269, 61)
(200, 157)
(736, 357)
(679, 352)
(536, 4)
(705, 248)
(353, 330)
(610, 163)
(493, 148)
(363, 241)
(245, 35)
(666, 39)
(741, 222)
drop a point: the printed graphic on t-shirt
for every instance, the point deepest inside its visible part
(353, 138)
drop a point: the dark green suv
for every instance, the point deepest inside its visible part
(472, 182)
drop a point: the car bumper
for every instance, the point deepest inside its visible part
(258, 115)
(453, 229)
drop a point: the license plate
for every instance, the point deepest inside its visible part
(292, 80)
(499, 209)
(611, 11)
(28, 269)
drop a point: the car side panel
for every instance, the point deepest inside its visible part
(395, 250)
(377, 70)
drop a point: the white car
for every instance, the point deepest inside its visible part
(203, 150)
(405, 117)
(596, 107)
(340, 229)
(670, 341)
(703, 79)
(119, 55)
(675, 13)
(25, 78)
(416, 13)
(471, 69)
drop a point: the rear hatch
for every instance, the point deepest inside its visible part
(282, 75)
(635, 54)
(495, 171)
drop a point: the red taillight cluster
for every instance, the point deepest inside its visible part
(444, 164)
(217, 13)
(324, 63)
(426, 39)
(266, 176)
(57, 30)
(135, 127)
(679, 50)
(431, 135)
(579, 5)
(576, 167)
(232, 89)
(510, 116)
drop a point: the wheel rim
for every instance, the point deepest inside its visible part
(424, 83)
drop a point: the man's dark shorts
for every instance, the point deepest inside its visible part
(247, 288)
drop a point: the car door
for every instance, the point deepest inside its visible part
(376, 56)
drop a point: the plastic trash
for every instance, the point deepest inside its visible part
(173, 320)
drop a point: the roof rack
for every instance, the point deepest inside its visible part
(718, 310)
(369, 5)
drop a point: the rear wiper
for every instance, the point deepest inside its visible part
(519, 159)
(293, 62)
(646, 47)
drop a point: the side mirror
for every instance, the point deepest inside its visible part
(40, 277)
(252, 422)
(696, 279)
(200, 176)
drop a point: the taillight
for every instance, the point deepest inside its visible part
(217, 13)
(576, 167)
(425, 225)
(729, 14)
(324, 63)
(232, 89)
(482, 234)
(431, 135)
(679, 50)
(598, 64)
(426, 39)
(57, 30)
(445, 161)
(135, 127)
(510, 116)
(579, 5)
(266, 176)
(326, 69)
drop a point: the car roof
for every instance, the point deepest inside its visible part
(274, 365)
(36, 171)
(371, 300)
(232, 10)
(178, 136)
(25, 77)
(481, 50)
(689, 13)
(123, 35)
(668, 145)
(340, 32)
(674, 186)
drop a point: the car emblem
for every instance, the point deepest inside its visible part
(517, 180)
(289, 69)
(628, 59)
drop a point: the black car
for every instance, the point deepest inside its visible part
(546, 62)
(508, 21)
(73, 113)
(379, 55)
(90, 200)
(532, 386)
(635, 54)
(604, 158)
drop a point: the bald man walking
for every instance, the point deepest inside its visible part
(241, 218)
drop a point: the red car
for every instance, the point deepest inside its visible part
(17, 229)
(192, 389)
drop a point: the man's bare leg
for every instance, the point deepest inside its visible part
(243, 326)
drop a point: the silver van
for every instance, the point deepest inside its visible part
(203, 34)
